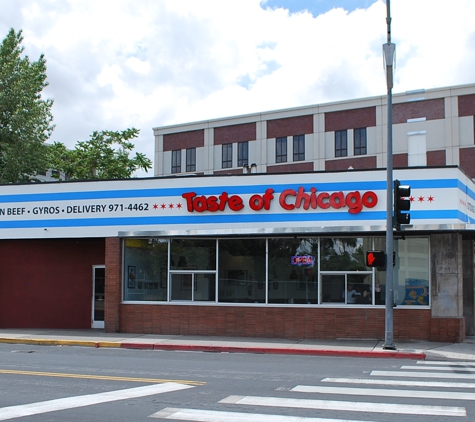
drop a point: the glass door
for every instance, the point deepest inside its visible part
(98, 297)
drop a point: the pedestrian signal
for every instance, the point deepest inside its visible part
(376, 259)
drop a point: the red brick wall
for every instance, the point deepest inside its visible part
(290, 126)
(436, 158)
(290, 168)
(235, 133)
(113, 284)
(350, 119)
(358, 163)
(467, 160)
(466, 105)
(400, 160)
(291, 323)
(430, 109)
(48, 283)
(182, 140)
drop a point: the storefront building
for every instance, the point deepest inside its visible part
(258, 255)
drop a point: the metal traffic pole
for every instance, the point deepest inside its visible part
(389, 50)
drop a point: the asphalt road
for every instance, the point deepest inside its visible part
(50, 383)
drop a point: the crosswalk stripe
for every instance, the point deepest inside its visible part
(435, 362)
(30, 409)
(414, 374)
(374, 381)
(381, 392)
(437, 368)
(347, 406)
(220, 416)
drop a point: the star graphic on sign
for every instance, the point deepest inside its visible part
(163, 206)
(412, 199)
(421, 199)
(179, 206)
(171, 206)
(430, 198)
(155, 206)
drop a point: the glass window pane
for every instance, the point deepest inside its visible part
(344, 254)
(293, 270)
(193, 254)
(411, 272)
(359, 289)
(181, 286)
(227, 156)
(242, 270)
(205, 287)
(299, 148)
(333, 288)
(243, 153)
(176, 161)
(145, 269)
(281, 150)
(191, 159)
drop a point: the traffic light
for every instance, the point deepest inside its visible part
(401, 203)
(376, 259)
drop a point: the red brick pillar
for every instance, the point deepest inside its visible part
(113, 284)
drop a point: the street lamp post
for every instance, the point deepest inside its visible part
(389, 50)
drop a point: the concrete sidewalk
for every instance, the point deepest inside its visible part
(351, 348)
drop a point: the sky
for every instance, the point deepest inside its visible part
(115, 64)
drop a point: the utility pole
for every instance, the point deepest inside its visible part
(389, 50)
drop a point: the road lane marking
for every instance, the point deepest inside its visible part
(30, 409)
(438, 368)
(440, 362)
(220, 416)
(414, 374)
(373, 381)
(381, 392)
(351, 406)
(99, 377)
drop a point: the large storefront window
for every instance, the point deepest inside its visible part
(242, 270)
(193, 270)
(293, 270)
(278, 271)
(344, 276)
(145, 269)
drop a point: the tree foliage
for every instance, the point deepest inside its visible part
(25, 118)
(106, 155)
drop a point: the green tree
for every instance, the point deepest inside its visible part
(106, 155)
(25, 118)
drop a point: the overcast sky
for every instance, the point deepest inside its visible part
(114, 64)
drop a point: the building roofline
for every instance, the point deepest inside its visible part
(311, 108)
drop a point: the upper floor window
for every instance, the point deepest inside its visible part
(243, 153)
(299, 148)
(281, 150)
(191, 159)
(341, 143)
(176, 161)
(360, 141)
(227, 159)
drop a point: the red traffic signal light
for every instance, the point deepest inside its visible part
(376, 259)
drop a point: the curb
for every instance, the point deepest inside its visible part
(291, 351)
(222, 349)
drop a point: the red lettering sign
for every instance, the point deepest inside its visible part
(289, 200)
